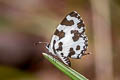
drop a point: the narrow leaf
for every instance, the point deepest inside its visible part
(74, 75)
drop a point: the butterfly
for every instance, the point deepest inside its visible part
(69, 39)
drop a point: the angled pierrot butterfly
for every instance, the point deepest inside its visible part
(69, 39)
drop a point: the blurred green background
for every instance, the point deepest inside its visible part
(24, 22)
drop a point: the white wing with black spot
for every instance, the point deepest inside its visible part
(69, 39)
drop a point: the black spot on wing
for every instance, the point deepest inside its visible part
(60, 46)
(74, 14)
(67, 22)
(78, 47)
(60, 34)
(83, 52)
(62, 54)
(80, 24)
(71, 52)
(54, 47)
(76, 36)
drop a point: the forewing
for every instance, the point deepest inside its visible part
(74, 42)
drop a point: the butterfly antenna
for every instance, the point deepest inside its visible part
(87, 53)
(41, 43)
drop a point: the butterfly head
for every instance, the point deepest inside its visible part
(47, 46)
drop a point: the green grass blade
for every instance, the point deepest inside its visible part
(74, 75)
